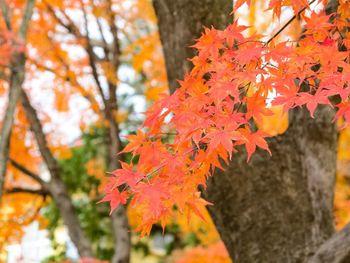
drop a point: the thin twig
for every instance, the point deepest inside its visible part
(288, 22)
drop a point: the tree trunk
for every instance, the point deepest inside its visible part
(275, 208)
(120, 223)
(56, 186)
(279, 208)
(16, 81)
(180, 22)
(17, 77)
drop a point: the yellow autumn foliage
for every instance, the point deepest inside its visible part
(275, 124)
(215, 253)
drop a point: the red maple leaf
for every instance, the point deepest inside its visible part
(115, 198)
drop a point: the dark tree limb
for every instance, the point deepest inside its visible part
(18, 190)
(92, 57)
(27, 172)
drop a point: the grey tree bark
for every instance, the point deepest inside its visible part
(16, 80)
(275, 208)
(56, 186)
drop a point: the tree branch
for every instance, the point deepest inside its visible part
(6, 15)
(27, 172)
(288, 23)
(56, 186)
(336, 249)
(92, 56)
(20, 190)
(15, 83)
(28, 11)
(37, 129)
(70, 26)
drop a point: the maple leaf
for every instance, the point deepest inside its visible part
(299, 5)
(234, 33)
(246, 55)
(135, 142)
(239, 3)
(115, 198)
(312, 101)
(153, 194)
(252, 140)
(276, 6)
(126, 175)
(195, 204)
(209, 43)
(343, 110)
(318, 24)
(256, 107)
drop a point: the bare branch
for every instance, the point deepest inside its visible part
(70, 26)
(27, 172)
(56, 186)
(92, 56)
(6, 15)
(19, 190)
(37, 129)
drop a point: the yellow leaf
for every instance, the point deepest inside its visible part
(275, 124)
(110, 72)
(121, 116)
(61, 101)
(153, 93)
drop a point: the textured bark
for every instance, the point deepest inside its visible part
(275, 208)
(180, 22)
(279, 208)
(56, 186)
(336, 249)
(17, 76)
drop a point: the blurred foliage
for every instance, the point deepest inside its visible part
(84, 190)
